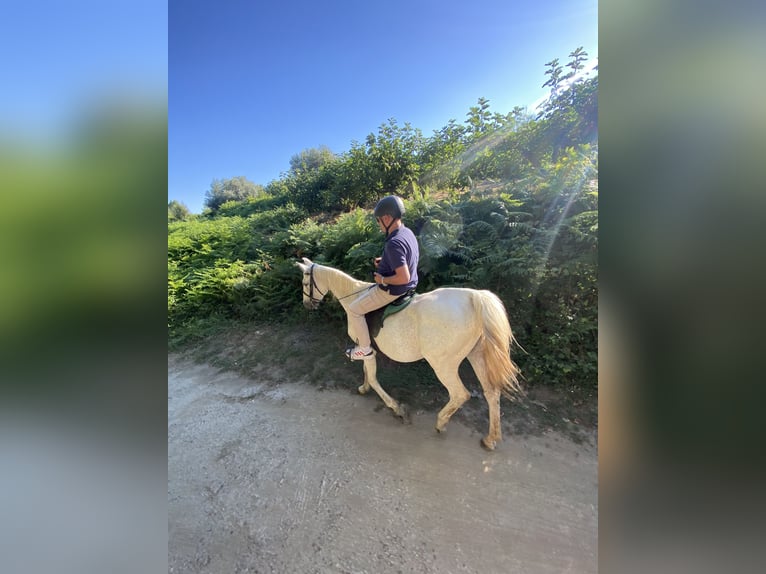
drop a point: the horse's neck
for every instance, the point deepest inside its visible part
(342, 285)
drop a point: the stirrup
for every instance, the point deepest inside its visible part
(356, 353)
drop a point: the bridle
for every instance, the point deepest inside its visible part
(313, 285)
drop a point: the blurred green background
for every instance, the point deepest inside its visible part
(83, 176)
(82, 261)
(83, 187)
(682, 205)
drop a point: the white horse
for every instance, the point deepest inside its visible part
(443, 327)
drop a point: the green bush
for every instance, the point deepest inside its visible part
(544, 271)
(251, 205)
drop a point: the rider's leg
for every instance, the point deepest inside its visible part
(372, 299)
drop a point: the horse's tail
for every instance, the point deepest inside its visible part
(496, 341)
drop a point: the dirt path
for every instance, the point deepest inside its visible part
(283, 478)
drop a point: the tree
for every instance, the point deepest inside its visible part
(479, 118)
(235, 189)
(554, 76)
(440, 156)
(519, 114)
(570, 115)
(576, 63)
(392, 156)
(311, 159)
(177, 211)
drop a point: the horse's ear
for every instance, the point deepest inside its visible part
(305, 266)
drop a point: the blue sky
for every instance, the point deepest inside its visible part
(61, 58)
(252, 83)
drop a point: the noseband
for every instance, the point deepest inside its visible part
(313, 285)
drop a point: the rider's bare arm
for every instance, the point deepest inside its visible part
(401, 277)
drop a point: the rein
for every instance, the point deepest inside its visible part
(356, 292)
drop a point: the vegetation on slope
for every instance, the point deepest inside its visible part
(506, 202)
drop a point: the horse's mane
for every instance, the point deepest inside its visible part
(341, 283)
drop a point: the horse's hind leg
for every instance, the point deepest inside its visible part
(371, 380)
(458, 394)
(491, 394)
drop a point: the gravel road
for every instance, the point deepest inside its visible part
(274, 476)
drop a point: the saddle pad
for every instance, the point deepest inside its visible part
(376, 318)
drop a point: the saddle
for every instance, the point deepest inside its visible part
(376, 318)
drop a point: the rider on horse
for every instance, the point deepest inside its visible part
(397, 273)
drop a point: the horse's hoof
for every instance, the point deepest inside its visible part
(363, 389)
(403, 414)
(487, 445)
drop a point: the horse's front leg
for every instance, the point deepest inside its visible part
(371, 380)
(365, 387)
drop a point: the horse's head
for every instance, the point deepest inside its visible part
(312, 292)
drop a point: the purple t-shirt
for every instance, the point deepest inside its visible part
(401, 249)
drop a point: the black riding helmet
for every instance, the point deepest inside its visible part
(390, 205)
